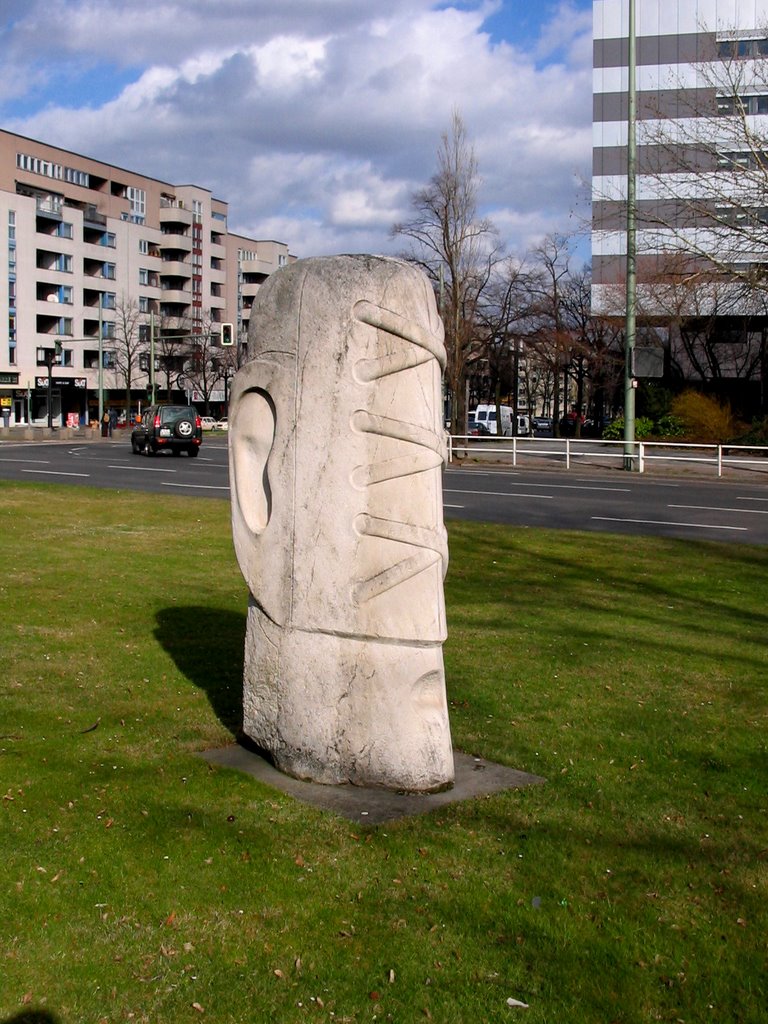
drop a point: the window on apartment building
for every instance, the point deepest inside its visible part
(143, 275)
(63, 327)
(754, 104)
(137, 198)
(108, 300)
(63, 263)
(108, 239)
(37, 165)
(64, 230)
(282, 259)
(143, 304)
(12, 339)
(64, 294)
(109, 271)
(197, 210)
(739, 216)
(75, 177)
(732, 49)
(107, 331)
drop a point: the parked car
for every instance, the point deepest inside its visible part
(475, 428)
(541, 424)
(168, 428)
(208, 422)
(222, 424)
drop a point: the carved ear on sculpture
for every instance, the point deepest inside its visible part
(251, 447)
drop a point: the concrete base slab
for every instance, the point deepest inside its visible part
(474, 777)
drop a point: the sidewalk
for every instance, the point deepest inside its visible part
(34, 433)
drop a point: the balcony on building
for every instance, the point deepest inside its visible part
(92, 217)
(49, 205)
(91, 329)
(175, 241)
(174, 214)
(99, 268)
(96, 235)
(256, 270)
(55, 262)
(174, 270)
(53, 326)
(47, 292)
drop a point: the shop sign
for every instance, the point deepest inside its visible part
(9, 378)
(74, 382)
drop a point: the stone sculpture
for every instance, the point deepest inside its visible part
(336, 448)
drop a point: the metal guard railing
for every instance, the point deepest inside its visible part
(570, 449)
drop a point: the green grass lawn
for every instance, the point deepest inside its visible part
(138, 883)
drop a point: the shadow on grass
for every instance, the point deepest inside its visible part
(207, 646)
(32, 1017)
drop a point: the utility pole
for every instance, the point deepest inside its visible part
(152, 358)
(101, 358)
(631, 295)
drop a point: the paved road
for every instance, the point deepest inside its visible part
(579, 499)
(613, 502)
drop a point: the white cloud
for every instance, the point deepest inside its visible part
(316, 119)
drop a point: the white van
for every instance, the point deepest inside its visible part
(486, 414)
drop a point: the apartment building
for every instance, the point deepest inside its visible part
(702, 181)
(83, 244)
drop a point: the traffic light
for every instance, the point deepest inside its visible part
(57, 352)
(227, 334)
(144, 362)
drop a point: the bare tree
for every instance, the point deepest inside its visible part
(172, 348)
(597, 353)
(503, 311)
(129, 343)
(205, 360)
(551, 335)
(457, 249)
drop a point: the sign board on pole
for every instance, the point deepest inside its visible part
(649, 361)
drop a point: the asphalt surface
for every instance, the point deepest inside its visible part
(677, 500)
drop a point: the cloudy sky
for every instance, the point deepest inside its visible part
(315, 119)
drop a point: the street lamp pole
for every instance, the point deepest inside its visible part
(152, 357)
(101, 360)
(631, 294)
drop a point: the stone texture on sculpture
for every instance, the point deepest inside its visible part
(336, 449)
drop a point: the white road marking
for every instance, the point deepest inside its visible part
(747, 497)
(498, 494)
(197, 487)
(53, 472)
(662, 522)
(144, 469)
(719, 508)
(446, 505)
(27, 462)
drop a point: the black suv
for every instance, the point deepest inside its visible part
(168, 428)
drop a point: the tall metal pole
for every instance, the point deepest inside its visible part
(631, 296)
(152, 358)
(101, 360)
